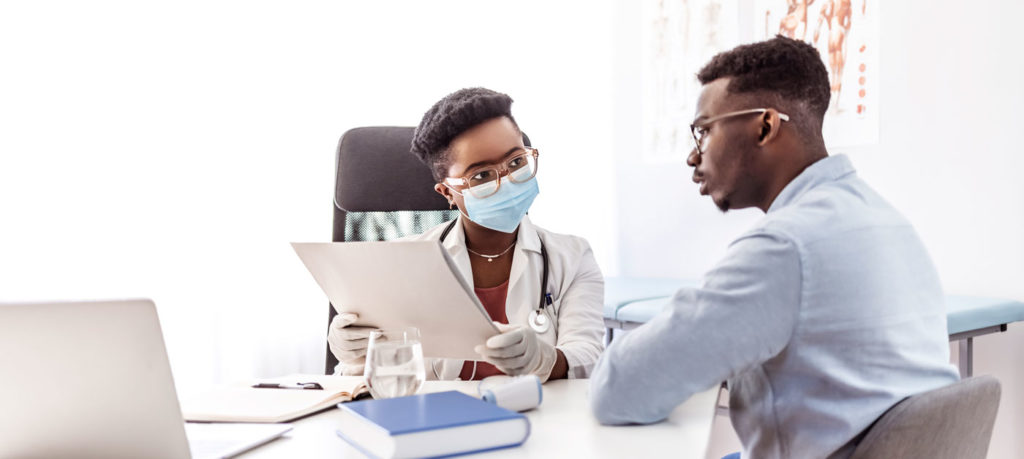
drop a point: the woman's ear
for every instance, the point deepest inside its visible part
(444, 192)
(771, 123)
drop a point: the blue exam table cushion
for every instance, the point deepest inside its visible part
(620, 291)
(966, 313)
(642, 311)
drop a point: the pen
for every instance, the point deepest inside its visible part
(301, 385)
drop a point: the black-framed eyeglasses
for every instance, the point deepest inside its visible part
(484, 181)
(699, 130)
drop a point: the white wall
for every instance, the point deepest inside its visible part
(949, 157)
(172, 149)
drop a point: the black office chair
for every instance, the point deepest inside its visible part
(382, 192)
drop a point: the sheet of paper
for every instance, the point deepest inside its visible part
(402, 284)
(216, 441)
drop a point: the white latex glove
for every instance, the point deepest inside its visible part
(348, 343)
(518, 351)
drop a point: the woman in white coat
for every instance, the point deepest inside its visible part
(475, 150)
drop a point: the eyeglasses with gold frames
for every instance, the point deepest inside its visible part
(700, 129)
(484, 181)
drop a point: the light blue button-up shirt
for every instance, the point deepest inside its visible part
(823, 316)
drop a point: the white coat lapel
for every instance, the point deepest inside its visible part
(455, 244)
(527, 244)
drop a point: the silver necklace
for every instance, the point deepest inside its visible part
(491, 258)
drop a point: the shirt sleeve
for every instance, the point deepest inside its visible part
(743, 315)
(580, 319)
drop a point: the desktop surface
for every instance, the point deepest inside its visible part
(562, 426)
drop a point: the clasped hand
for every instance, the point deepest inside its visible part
(518, 351)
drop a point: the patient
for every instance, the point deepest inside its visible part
(475, 150)
(825, 314)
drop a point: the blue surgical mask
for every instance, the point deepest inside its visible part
(502, 211)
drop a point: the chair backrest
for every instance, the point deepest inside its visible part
(380, 186)
(382, 192)
(950, 422)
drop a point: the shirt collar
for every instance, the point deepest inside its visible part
(827, 169)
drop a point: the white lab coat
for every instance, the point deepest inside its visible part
(574, 281)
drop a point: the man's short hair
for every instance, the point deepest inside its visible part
(788, 68)
(456, 113)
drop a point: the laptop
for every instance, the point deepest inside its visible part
(92, 379)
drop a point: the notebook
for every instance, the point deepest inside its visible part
(427, 425)
(241, 402)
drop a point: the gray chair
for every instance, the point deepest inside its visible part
(952, 422)
(382, 192)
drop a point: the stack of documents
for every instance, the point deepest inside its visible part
(399, 284)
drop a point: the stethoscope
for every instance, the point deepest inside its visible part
(539, 320)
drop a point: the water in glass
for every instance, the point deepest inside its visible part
(394, 363)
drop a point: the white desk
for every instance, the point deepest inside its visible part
(562, 427)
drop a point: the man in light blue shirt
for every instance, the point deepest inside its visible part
(821, 317)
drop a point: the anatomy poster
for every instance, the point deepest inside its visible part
(845, 32)
(679, 37)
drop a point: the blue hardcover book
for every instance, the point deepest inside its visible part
(427, 425)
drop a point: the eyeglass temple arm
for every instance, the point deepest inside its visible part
(782, 116)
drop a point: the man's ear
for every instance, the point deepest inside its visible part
(771, 123)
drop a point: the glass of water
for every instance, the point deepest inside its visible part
(394, 363)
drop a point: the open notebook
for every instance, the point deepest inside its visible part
(243, 403)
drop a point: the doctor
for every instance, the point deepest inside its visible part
(543, 290)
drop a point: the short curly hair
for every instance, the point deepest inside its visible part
(788, 68)
(454, 114)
